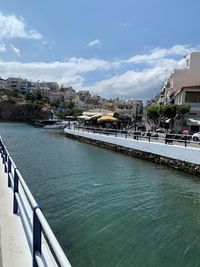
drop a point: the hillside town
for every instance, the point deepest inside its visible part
(181, 91)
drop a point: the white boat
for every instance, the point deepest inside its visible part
(56, 126)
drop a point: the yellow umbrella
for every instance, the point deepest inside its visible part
(107, 118)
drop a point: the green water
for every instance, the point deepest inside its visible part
(108, 209)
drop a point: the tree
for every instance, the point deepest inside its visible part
(71, 105)
(181, 110)
(116, 115)
(153, 113)
(77, 112)
(170, 111)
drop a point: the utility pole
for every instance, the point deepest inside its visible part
(136, 113)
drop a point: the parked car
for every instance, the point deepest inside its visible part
(160, 130)
(196, 136)
(152, 134)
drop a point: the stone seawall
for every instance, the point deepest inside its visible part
(188, 167)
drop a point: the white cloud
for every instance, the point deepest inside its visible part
(159, 53)
(145, 82)
(15, 50)
(71, 71)
(13, 27)
(130, 84)
(2, 47)
(123, 24)
(96, 42)
(132, 77)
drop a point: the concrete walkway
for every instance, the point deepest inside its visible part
(14, 249)
(177, 152)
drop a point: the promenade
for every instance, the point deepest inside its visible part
(176, 156)
(14, 248)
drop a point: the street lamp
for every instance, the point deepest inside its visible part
(136, 113)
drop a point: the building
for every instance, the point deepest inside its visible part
(14, 83)
(3, 84)
(179, 78)
(84, 95)
(19, 84)
(189, 95)
(55, 96)
(183, 87)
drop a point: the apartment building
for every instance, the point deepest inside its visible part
(190, 95)
(179, 78)
(84, 95)
(3, 84)
(183, 87)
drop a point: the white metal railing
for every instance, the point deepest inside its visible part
(35, 224)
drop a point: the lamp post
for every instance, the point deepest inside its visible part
(136, 113)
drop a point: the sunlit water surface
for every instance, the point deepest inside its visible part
(108, 209)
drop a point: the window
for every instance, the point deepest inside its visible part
(192, 97)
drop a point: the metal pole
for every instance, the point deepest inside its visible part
(3, 155)
(5, 160)
(15, 190)
(9, 170)
(1, 148)
(37, 235)
(185, 141)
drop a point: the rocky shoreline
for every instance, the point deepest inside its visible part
(11, 110)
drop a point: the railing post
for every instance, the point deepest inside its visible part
(9, 170)
(1, 148)
(15, 190)
(5, 160)
(3, 154)
(185, 141)
(37, 235)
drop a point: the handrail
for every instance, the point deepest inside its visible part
(21, 196)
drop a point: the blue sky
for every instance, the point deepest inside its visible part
(113, 48)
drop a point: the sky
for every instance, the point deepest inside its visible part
(113, 48)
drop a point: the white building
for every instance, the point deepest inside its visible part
(19, 84)
(2, 84)
(179, 78)
(183, 87)
(190, 95)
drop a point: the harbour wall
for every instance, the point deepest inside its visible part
(183, 158)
